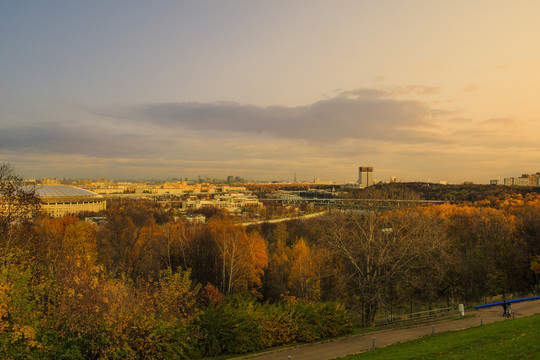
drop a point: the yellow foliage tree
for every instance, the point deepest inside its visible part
(304, 281)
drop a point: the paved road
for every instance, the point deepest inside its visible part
(357, 343)
(275, 221)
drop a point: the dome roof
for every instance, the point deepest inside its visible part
(54, 194)
(62, 191)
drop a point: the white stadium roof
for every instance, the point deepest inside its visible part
(62, 191)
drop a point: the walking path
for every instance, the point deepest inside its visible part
(356, 343)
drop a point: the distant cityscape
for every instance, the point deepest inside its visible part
(523, 180)
(201, 184)
(234, 194)
(212, 185)
(64, 197)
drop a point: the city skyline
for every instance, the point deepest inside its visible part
(420, 90)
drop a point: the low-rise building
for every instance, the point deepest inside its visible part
(229, 202)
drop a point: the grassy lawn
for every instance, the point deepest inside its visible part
(510, 339)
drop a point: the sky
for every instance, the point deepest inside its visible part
(423, 90)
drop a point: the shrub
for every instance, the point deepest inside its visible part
(240, 324)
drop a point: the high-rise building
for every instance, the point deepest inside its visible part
(365, 176)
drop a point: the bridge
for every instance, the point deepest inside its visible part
(354, 203)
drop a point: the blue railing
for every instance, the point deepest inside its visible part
(507, 301)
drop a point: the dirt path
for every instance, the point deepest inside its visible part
(357, 343)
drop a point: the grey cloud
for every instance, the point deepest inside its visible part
(70, 138)
(358, 114)
(366, 93)
(390, 92)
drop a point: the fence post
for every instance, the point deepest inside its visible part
(373, 344)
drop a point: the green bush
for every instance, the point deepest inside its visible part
(240, 324)
(233, 327)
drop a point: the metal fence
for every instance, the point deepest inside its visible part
(421, 315)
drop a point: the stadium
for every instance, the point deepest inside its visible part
(58, 201)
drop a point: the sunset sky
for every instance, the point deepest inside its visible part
(421, 90)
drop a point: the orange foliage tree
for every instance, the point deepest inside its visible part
(243, 255)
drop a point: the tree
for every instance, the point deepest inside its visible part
(303, 281)
(122, 249)
(491, 259)
(380, 252)
(18, 204)
(175, 297)
(177, 248)
(243, 256)
(277, 274)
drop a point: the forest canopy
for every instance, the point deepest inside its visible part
(145, 284)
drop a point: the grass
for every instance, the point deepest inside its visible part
(510, 339)
(356, 331)
(407, 324)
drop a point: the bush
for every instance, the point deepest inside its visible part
(241, 325)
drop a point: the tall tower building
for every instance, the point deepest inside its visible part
(365, 176)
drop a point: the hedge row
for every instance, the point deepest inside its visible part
(242, 325)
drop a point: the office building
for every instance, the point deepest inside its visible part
(365, 176)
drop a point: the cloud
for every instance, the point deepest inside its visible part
(392, 91)
(354, 114)
(71, 138)
(389, 128)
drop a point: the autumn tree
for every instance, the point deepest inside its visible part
(277, 274)
(382, 251)
(491, 258)
(179, 242)
(528, 223)
(243, 255)
(18, 204)
(150, 250)
(176, 297)
(304, 281)
(20, 311)
(121, 246)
